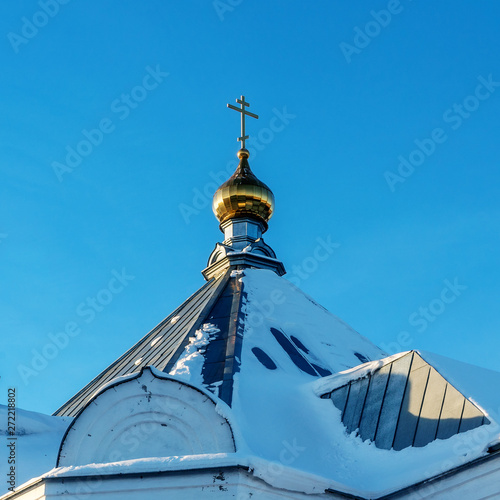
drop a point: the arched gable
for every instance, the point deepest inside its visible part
(148, 414)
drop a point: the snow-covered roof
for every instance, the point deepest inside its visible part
(279, 353)
(37, 441)
(282, 408)
(205, 333)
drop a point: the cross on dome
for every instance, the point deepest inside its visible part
(243, 112)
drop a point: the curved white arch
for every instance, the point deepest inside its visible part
(145, 416)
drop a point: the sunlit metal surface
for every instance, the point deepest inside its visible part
(243, 195)
(404, 403)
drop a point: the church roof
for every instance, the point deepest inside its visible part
(250, 373)
(154, 349)
(284, 431)
(202, 340)
(290, 375)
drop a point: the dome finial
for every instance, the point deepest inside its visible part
(243, 112)
(243, 153)
(243, 196)
(243, 205)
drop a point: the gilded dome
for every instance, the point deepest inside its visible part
(243, 195)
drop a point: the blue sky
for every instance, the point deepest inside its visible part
(378, 131)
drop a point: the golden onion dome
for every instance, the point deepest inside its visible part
(243, 195)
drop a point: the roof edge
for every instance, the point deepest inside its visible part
(332, 382)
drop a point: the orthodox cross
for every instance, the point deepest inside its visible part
(243, 112)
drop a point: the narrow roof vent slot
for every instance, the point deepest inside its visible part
(264, 358)
(300, 354)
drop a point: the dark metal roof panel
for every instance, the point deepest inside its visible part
(340, 397)
(154, 349)
(355, 404)
(393, 399)
(412, 402)
(373, 403)
(405, 403)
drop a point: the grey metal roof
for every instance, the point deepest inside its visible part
(157, 347)
(223, 352)
(405, 403)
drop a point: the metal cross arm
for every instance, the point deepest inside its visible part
(243, 112)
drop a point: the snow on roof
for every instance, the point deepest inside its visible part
(292, 425)
(284, 431)
(273, 303)
(283, 419)
(336, 380)
(271, 472)
(37, 443)
(189, 366)
(478, 384)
